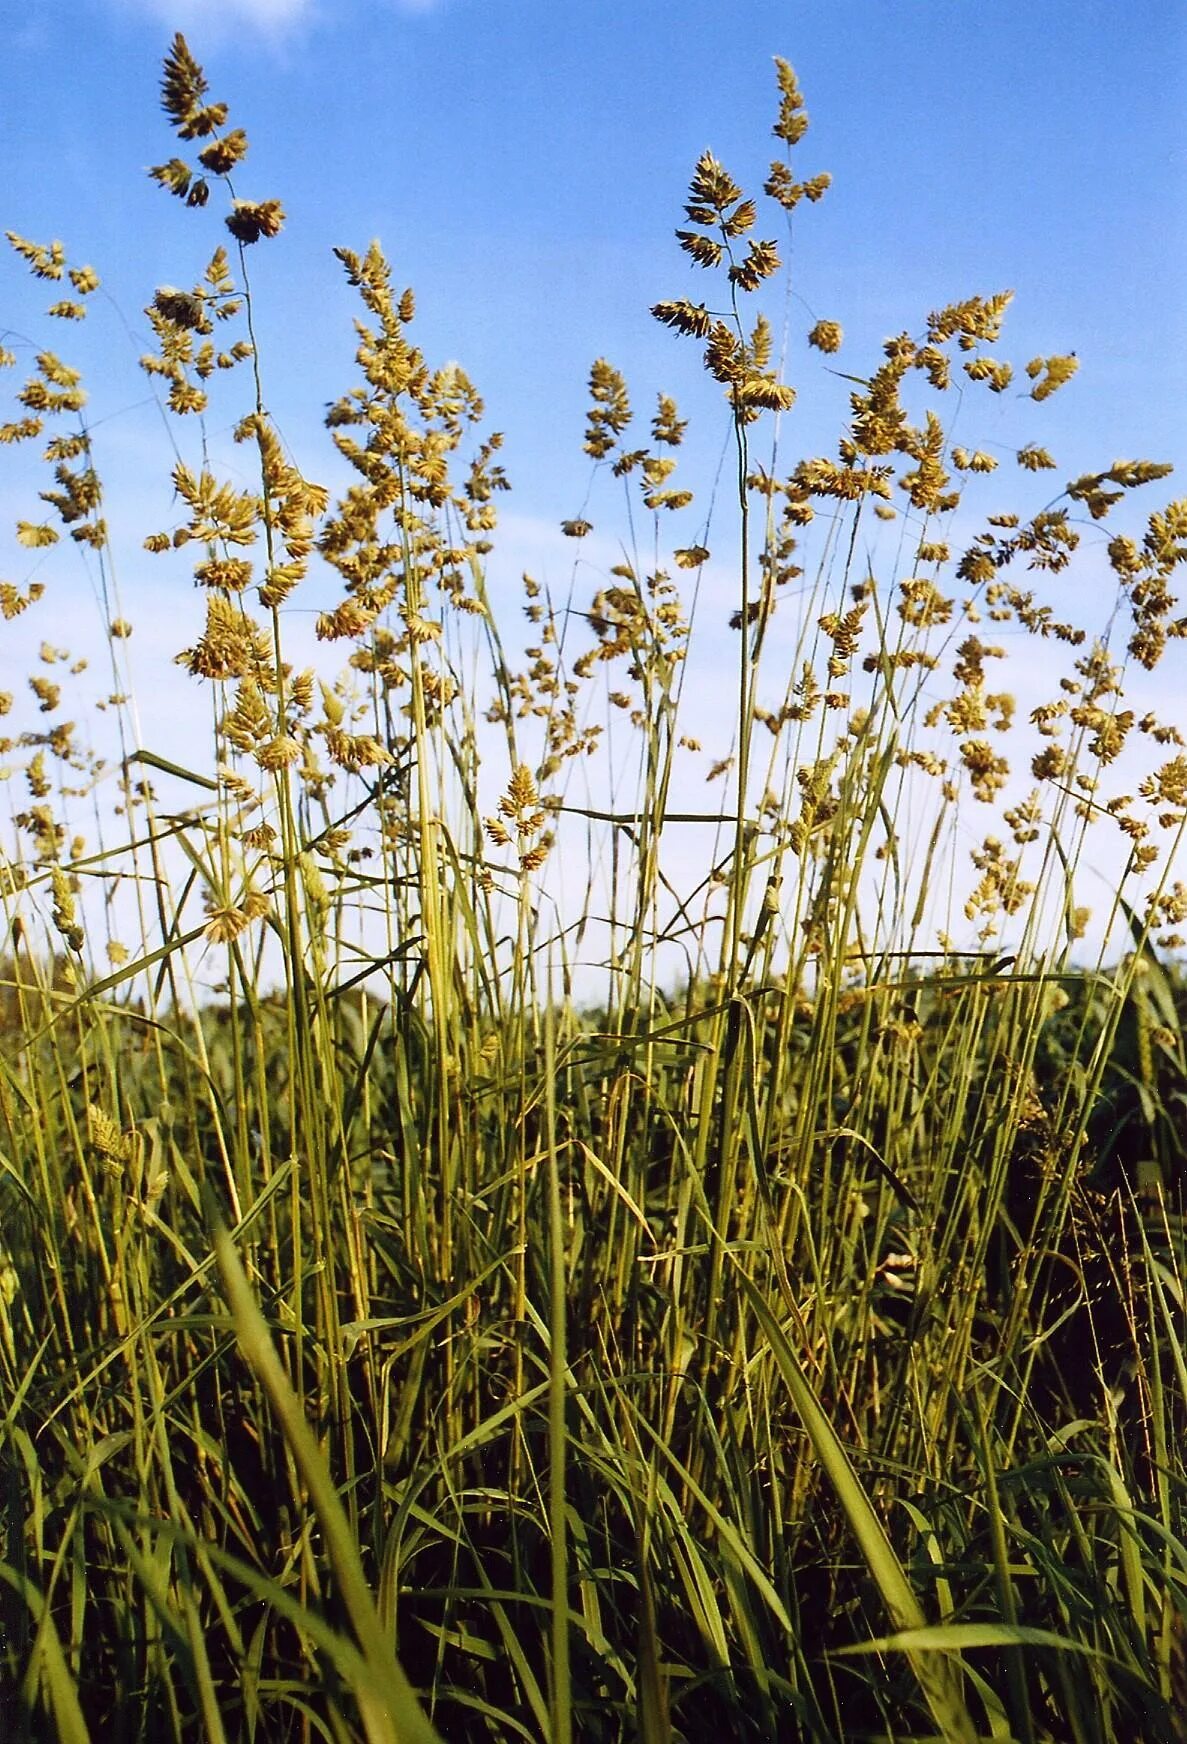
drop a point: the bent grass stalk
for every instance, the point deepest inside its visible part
(389, 1707)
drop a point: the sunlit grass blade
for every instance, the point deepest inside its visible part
(391, 1711)
(937, 1682)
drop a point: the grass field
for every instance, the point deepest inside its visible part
(401, 1341)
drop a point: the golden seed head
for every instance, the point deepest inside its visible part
(221, 155)
(826, 336)
(183, 86)
(226, 923)
(1050, 373)
(252, 219)
(45, 260)
(279, 752)
(34, 538)
(105, 1136)
(792, 121)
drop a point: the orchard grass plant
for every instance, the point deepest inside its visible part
(404, 1336)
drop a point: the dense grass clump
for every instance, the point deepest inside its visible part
(776, 1336)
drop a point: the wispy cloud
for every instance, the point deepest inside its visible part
(271, 17)
(275, 18)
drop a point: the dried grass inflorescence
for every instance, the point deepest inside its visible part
(183, 93)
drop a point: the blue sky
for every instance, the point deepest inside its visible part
(525, 162)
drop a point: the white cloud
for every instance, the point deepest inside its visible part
(217, 19)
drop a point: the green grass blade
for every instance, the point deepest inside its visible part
(392, 1712)
(937, 1683)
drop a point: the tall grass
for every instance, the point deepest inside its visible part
(395, 1347)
